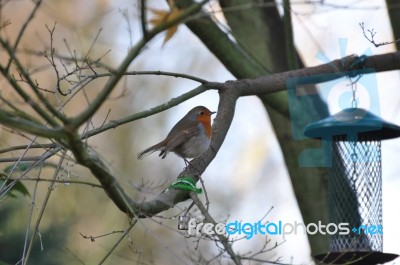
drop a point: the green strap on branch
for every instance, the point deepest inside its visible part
(186, 184)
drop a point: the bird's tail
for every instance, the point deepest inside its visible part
(157, 147)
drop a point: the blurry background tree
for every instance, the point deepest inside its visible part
(73, 72)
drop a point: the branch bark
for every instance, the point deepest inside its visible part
(229, 92)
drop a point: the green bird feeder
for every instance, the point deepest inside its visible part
(354, 138)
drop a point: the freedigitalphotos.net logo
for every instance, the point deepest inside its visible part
(249, 230)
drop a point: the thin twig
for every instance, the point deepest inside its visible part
(28, 98)
(164, 73)
(66, 182)
(372, 34)
(208, 218)
(133, 222)
(127, 17)
(51, 58)
(96, 38)
(28, 226)
(46, 155)
(22, 30)
(21, 159)
(132, 54)
(3, 189)
(23, 147)
(93, 238)
(205, 193)
(42, 210)
(265, 261)
(157, 109)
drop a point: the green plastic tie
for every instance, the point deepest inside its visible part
(186, 184)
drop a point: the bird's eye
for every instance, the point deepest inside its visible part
(202, 113)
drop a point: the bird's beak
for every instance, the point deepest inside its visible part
(213, 112)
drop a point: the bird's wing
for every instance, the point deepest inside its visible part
(177, 138)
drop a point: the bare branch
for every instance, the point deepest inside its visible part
(208, 218)
(12, 120)
(51, 57)
(126, 17)
(33, 86)
(143, 18)
(133, 53)
(66, 182)
(26, 255)
(126, 232)
(23, 147)
(229, 92)
(162, 107)
(372, 34)
(25, 96)
(93, 238)
(22, 31)
(80, 70)
(164, 73)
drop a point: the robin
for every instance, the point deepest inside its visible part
(189, 138)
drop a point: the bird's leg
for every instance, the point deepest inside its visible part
(187, 163)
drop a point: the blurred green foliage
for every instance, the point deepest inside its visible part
(12, 238)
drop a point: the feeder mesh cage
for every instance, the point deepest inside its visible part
(355, 193)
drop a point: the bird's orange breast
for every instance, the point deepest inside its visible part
(206, 121)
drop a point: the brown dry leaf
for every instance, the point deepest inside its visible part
(161, 16)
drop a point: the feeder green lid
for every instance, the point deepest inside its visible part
(353, 121)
